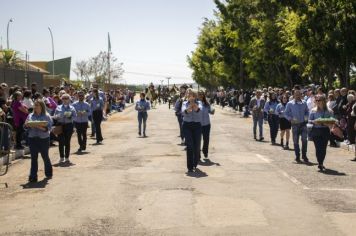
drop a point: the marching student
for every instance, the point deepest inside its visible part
(207, 110)
(81, 120)
(192, 118)
(142, 106)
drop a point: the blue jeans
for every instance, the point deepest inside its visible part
(38, 145)
(192, 135)
(300, 130)
(142, 118)
(258, 120)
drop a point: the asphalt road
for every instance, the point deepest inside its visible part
(137, 186)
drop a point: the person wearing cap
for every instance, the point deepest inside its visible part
(142, 106)
(65, 115)
(257, 104)
(81, 120)
(297, 113)
(192, 118)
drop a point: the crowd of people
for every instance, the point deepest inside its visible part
(297, 112)
(40, 119)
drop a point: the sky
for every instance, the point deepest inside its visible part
(151, 37)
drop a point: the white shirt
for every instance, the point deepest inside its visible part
(28, 102)
(311, 103)
(258, 103)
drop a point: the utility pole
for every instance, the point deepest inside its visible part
(50, 31)
(7, 35)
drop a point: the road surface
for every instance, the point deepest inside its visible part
(136, 186)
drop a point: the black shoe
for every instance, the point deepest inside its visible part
(273, 143)
(206, 155)
(49, 176)
(32, 180)
(298, 160)
(261, 139)
(190, 171)
(320, 167)
(255, 138)
(139, 133)
(79, 150)
(305, 159)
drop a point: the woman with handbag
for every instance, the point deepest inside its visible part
(64, 115)
(320, 131)
(38, 136)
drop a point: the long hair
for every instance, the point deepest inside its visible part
(322, 98)
(42, 105)
(203, 98)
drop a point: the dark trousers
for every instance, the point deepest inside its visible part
(5, 138)
(38, 145)
(351, 130)
(82, 134)
(321, 143)
(19, 134)
(97, 118)
(300, 130)
(64, 140)
(206, 138)
(273, 121)
(180, 123)
(192, 135)
(142, 118)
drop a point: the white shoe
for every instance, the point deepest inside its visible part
(61, 160)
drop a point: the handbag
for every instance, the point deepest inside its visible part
(57, 130)
(337, 131)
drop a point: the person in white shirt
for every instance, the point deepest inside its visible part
(27, 100)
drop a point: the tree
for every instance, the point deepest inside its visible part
(96, 69)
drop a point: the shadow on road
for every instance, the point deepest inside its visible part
(197, 174)
(64, 164)
(40, 184)
(208, 162)
(82, 153)
(333, 172)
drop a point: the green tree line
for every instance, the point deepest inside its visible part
(253, 43)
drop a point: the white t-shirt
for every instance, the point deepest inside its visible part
(28, 102)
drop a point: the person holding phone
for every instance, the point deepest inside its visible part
(192, 129)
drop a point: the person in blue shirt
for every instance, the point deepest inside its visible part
(297, 113)
(320, 132)
(142, 106)
(273, 119)
(178, 112)
(97, 107)
(284, 124)
(38, 138)
(64, 115)
(81, 120)
(207, 110)
(192, 118)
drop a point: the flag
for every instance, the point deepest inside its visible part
(109, 43)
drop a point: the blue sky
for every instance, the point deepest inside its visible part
(148, 36)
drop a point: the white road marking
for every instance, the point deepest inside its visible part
(293, 180)
(285, 174)
(338, 189)
(263, 158)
